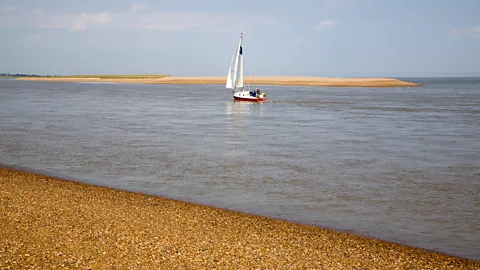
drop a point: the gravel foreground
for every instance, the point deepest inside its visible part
(49, 223)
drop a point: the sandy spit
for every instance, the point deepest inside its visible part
(48, 223)
(252, 80)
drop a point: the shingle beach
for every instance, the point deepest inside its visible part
(50, 223)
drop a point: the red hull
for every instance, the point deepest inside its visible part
(250, 99)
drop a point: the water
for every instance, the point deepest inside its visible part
(400, 164)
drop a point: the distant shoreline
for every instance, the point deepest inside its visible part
(252, 80)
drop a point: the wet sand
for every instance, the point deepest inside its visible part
(47, 223)
(252, 80)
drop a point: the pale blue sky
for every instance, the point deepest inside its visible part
(395, 38)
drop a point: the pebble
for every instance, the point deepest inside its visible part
(88, 226)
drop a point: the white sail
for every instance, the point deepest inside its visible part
(235, 71)
(239, 77)
(231, 72)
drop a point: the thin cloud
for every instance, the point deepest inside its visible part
(135, 6)
(7, 9)
(467, 32)
(40, 19)
(83, 20)
(325, 24)
(73, 22)
(131, 18)
(199, 22)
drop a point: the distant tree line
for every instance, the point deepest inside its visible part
(21, 75)
(113, 76)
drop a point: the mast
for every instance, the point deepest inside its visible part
(239, 76)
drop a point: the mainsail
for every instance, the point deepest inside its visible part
(239, 77)
(235, 72)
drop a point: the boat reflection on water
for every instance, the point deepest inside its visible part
(237, 109)
(236, 128)
(244, 111)
(241, 120)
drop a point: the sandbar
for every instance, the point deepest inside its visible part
(47, 223)
(250, 80)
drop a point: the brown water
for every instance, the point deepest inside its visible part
(401, 164)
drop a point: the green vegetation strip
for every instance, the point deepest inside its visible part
(141, 76)
(92, 76)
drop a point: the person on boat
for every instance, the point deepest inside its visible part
(258, 92)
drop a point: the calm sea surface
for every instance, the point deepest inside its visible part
(400, 164)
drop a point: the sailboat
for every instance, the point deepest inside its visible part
(235, 78)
